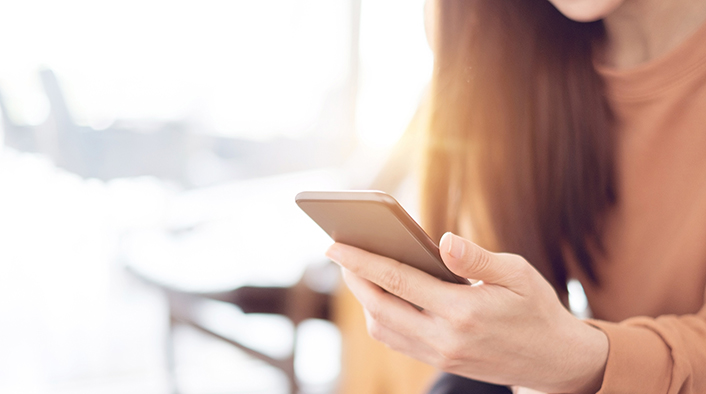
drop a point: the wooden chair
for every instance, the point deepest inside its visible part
(368, 366)
(298, 303)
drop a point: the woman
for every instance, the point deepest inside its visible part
(570, 135)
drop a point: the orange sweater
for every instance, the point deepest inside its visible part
(651, 300)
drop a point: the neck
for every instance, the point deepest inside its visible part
(642, 30)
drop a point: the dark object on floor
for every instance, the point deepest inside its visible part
(454, 384)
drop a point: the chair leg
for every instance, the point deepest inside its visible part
(170, 359)
(180, 313)
(289, 369)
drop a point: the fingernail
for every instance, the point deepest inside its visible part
(333, 253)
(455, 246)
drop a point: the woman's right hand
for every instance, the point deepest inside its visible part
(511, 329)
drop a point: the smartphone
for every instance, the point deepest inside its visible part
(376, 222)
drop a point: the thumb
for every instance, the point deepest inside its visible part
(468, 260)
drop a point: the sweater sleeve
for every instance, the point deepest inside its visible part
(663, 355)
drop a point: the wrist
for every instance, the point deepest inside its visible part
(589, 357)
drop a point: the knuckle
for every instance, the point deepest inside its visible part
(521, 265)
(392, 281)
(444, 364)
(526, 272)
(482, 259)
(450, 353)
(464, 321)
(375, 330)
(374, 310)
(520, 269)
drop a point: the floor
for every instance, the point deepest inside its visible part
(74, 321)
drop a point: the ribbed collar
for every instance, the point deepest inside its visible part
(681, 65)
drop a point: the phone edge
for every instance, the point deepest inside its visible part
(381, 197)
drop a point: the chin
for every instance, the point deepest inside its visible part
(586, 10)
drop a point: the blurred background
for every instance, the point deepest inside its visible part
(151, 151)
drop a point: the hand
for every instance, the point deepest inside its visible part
(510, 329)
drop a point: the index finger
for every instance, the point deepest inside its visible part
(400, 279)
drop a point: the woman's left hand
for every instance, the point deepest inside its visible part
(510, 329)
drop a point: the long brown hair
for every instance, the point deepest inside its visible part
(519, 144)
